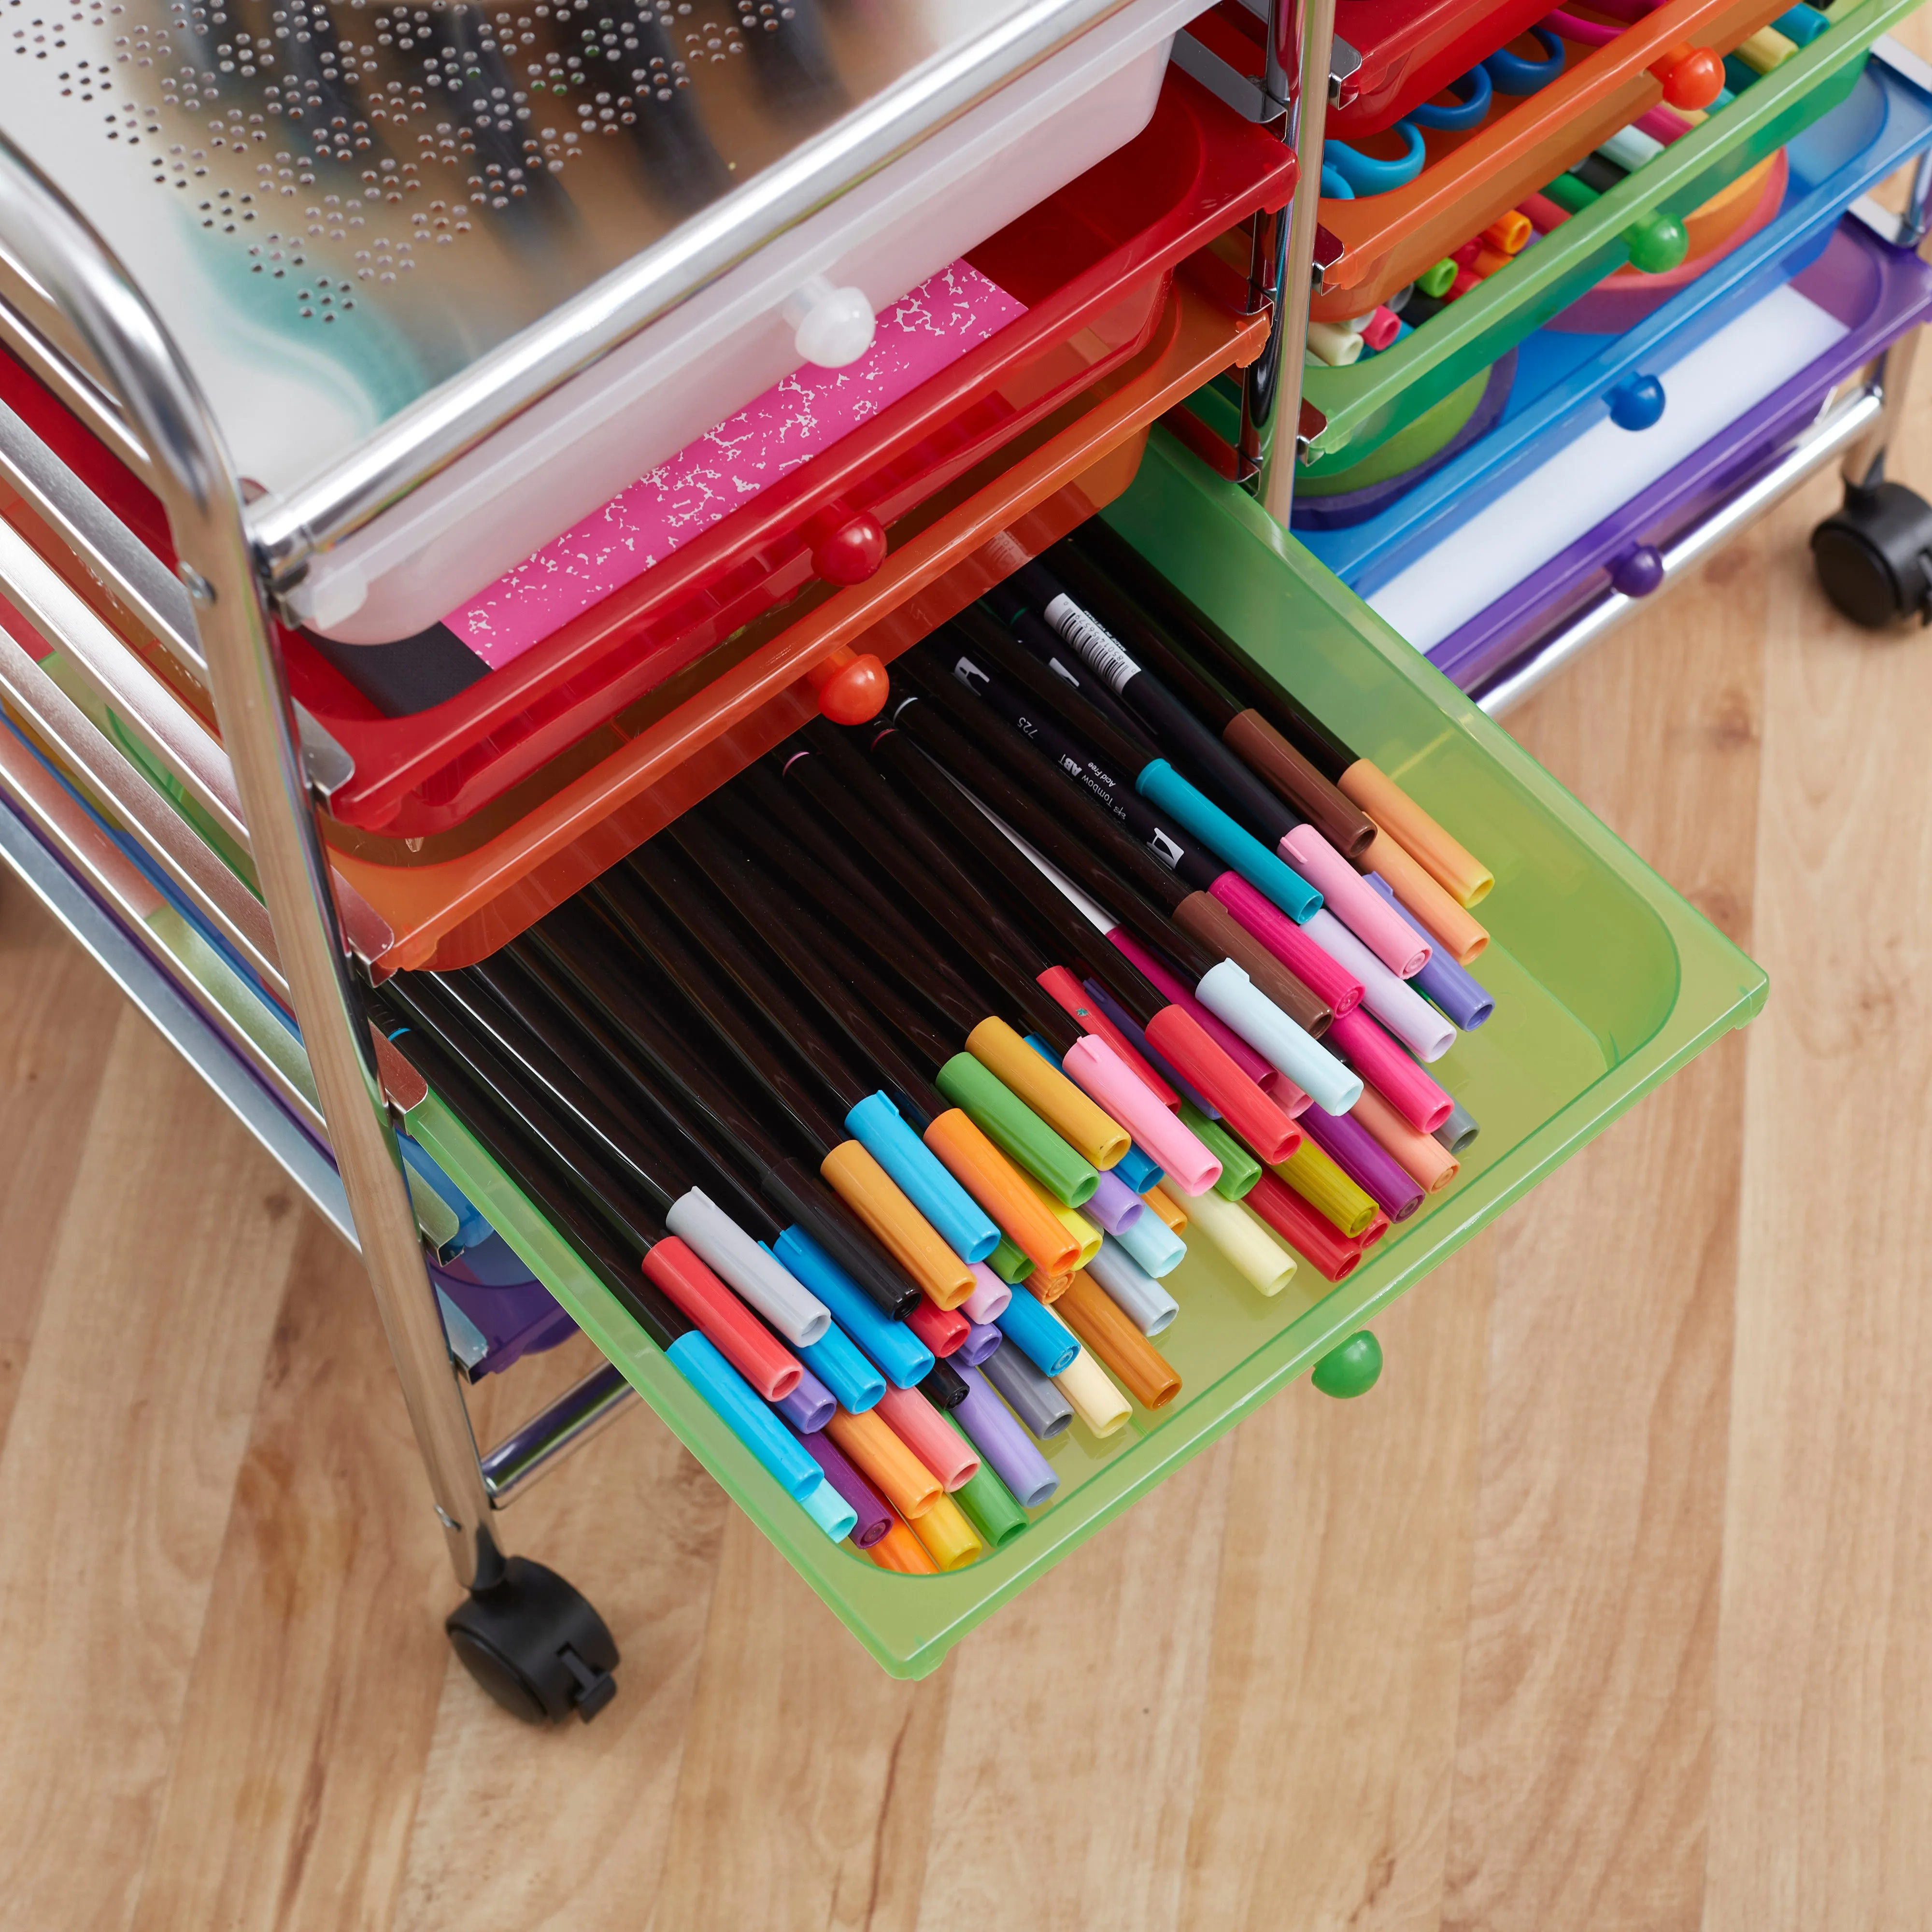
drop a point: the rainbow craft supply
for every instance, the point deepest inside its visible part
(1656, 241)
(889, 1087)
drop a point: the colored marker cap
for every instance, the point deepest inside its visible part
(1016, 1130)
(956, 1217)
(700, 1364)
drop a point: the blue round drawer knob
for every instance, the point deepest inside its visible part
(1638, 574)
(1637, 402)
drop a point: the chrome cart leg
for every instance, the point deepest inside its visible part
(1874, 557)
(531, 1640)
(1309, 113)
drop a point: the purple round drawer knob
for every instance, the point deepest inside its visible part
(1638, 574)
(1637, 402)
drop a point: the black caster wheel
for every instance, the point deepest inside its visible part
(1874, 558)
(536, 1645)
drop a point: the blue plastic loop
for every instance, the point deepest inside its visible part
(1367, 175)
(1468, 110)
(1333, 186)
(1514, 75)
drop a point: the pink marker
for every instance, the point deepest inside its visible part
(1355, 902)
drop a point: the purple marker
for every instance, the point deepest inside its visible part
(874, 1518)
(1114, 1205)
(1463, 998)
(1362, 1158)
(982, 1339)
(809, 1407)
(1004, 1444)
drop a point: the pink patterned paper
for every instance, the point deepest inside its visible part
(728, 466)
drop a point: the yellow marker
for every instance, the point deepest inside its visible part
(1095, 1399)
(1236, 1232)
(1327, 1189)
(1765, 49)
(950, 1541)
(1092, 1132)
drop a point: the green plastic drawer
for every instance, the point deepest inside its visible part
(1606, 982)
(1369, 403)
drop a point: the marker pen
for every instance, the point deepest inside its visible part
(990, 1507)
(1326, 1188)
(921, 1428)
(1096, 1400)
(1246, 1242)
(1160, 907)
(1117, 1343)
(900, 1551)
(1421, 1157)
(990, 1426)
(1024, 1477)
(948, 1535)
(1465, 999)
(600, 957)
(639, 1205)
(1457, 1132)
(570, 961)
(1190, 632)
(1032, 1397)
(695, 1356)
(665, 926)
(1331, 1253)
(1146, 1302)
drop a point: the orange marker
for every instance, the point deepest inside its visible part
(1093, 1315)
(1460, 873)
(904, 1233)
(1421, 1157)
(872, 1448)
(1509, 233)
(1169, 1210)
(996, 1184)
(1417, 889)
(899, 1550)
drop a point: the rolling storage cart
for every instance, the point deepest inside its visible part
(229, 458)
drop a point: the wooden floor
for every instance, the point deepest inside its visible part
(1611, 1608)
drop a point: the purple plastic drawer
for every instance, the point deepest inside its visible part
(1877, 291)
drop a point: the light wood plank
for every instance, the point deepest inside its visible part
(1821, 1815)
(119, 1466)
(519, 1829)
(310, 1711)
(1072, 1744)
(808, 1774)
(1323, 1794)
(1583, 1763)
(58, 1012)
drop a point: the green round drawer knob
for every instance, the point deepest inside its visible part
(1657, 244)
(1354, 1368)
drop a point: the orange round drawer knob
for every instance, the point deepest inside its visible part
(852, 686)
(850, 553)
(1692, 77)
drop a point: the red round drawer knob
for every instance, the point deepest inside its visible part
(1692, 77)
(851, 553)
(852, 686)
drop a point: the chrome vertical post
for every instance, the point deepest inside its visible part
(193, 475)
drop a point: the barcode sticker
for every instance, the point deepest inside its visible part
(1102, 653)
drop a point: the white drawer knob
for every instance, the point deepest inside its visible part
(831, 326)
